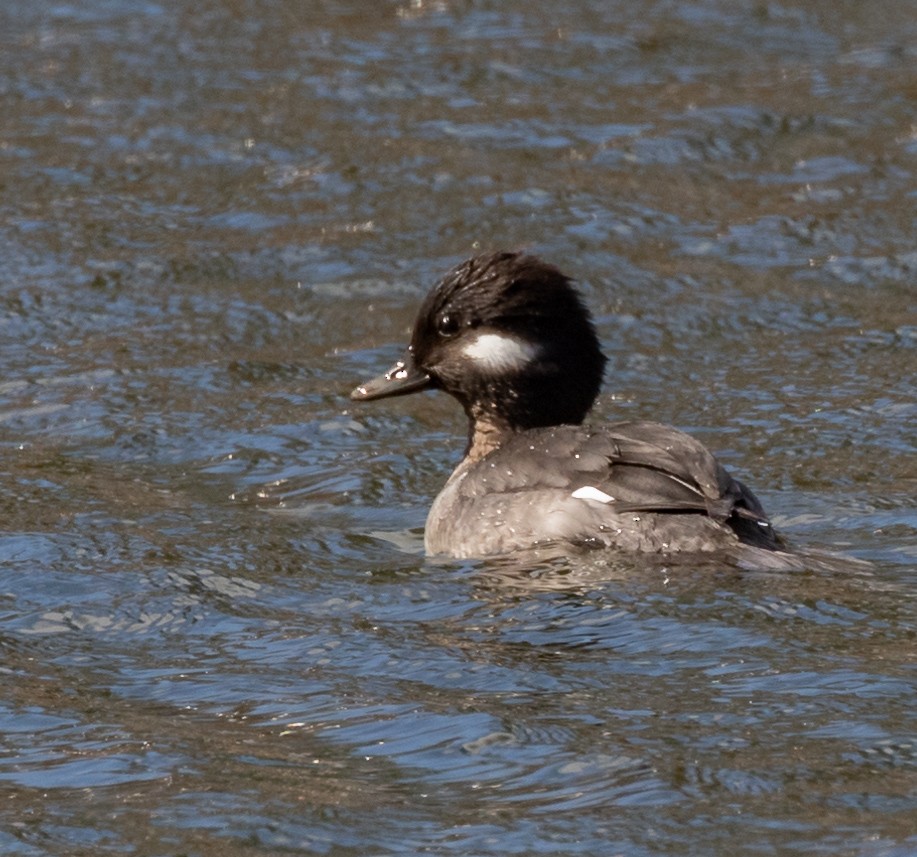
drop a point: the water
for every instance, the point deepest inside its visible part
(219, 633)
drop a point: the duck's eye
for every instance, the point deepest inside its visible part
(447, 325)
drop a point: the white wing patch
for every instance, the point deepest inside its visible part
(495, 352)
(587, 492)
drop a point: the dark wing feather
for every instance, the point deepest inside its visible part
(644, 466)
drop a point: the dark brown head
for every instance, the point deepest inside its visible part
(509, 337)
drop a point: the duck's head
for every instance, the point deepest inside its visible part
(509, 337)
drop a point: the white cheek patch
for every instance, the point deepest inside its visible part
(587, 492)
(495, 352)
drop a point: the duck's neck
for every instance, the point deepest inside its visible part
(486, 432)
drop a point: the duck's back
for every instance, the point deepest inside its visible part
(635, 486)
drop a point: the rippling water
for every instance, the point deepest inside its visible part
(219, 633)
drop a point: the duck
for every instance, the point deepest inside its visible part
(509, 337)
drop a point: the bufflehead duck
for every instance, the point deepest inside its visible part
(508, 336)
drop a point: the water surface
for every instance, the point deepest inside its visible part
(219, 634)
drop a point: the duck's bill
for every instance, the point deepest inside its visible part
(403, 378)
